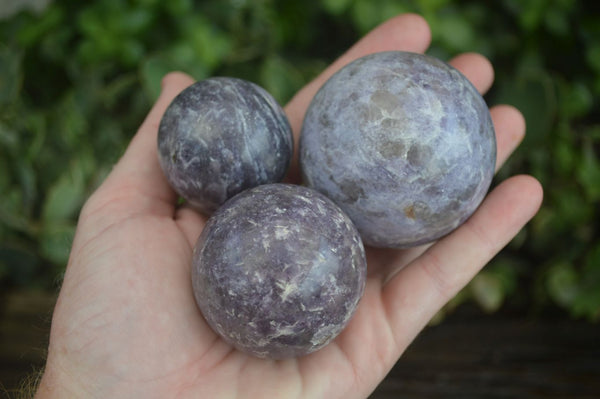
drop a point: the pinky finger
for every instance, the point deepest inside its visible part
(418, 291)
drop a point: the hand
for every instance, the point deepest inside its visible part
(126, 324)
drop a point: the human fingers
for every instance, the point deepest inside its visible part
(476, 68)
(420, 289)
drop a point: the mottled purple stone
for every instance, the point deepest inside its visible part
(221, 136)
(403, 143)
(278, 271)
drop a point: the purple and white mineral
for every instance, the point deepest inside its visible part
(221, 136)
(403, 143)
(278, 271)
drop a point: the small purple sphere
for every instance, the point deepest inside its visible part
(403, 143)
(221, 136)
(278, 271)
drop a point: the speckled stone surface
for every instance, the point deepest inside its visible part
(278, 271)
(403, 143)
(221, 136)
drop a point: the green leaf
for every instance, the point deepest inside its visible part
(336, 7)
(592, 263)
(207, 41)
(455, 32)
(593, 56)
(5, 175)
(154, 68)
(55, 45)
(572, 209)
(10, 75)
(588, 173)
(279, 78)
(35, 123)
(41, 27)
(178, 7)
(151, 3)
(55, 242)
(366, 14)
(576, 99)
(587, 302)
(562, 284)
(557, 21)
(488, 291)
(65, 196)
(118, 88)
(134, 21)
(9, 138)
(531, 14)
(11, 212)
(90, 23)
(431, 6)
(565, 153)
(131, 52)
(532, 91)
(28, 185)
(72, 122)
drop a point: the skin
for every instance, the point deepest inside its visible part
(126, 324)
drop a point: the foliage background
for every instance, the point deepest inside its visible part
(77, 78)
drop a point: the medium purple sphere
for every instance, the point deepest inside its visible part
(221, 136)
(278, 271)
(403, 143)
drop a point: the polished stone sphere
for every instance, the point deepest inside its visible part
(403, 143)
(221, 136)
(278, 271)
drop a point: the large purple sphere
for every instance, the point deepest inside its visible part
(221, 136)
(278, 271)
(403, 143)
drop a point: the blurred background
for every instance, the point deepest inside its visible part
(77, 78)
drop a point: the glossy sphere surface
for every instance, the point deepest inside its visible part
(221, 136)
(278, 271)
(403, 143)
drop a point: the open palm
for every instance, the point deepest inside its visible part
(126, 324)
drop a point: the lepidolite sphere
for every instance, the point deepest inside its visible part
(278, 271)
(403, 143)
(221, 136)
